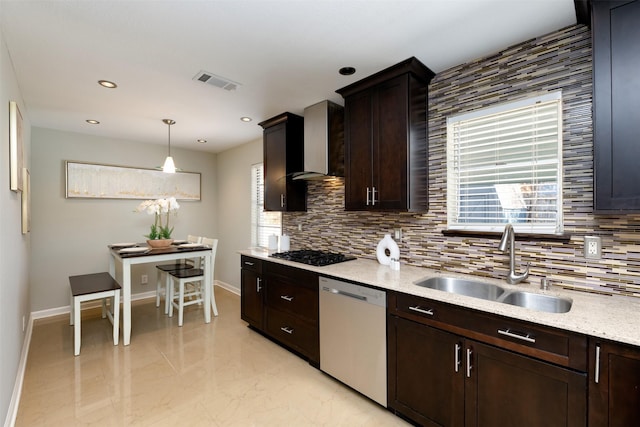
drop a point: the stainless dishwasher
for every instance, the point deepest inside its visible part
(353, 337)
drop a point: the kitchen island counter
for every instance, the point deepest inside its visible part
(610, 317)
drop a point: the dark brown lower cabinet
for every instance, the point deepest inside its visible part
(614, 384)
(252, 292)
(439, 378)
(503, 388)
(282, 302)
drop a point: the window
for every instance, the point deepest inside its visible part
(263, 224)
(504, 164)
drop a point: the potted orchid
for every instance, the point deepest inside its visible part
(161, 209)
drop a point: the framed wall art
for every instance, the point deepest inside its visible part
(99, 181)
(26, 201)
(15, 147)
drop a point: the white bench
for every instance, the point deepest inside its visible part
(88, 287)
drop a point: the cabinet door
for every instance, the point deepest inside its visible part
(390, 159)
(252, 299)
(358, 154)
(616, 61)
(275, 168)
(507, 389)
(426, 381)
(614, 385)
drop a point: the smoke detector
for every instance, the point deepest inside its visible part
(217, 81)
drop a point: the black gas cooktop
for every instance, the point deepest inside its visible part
(313, 257)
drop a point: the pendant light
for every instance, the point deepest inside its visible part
(169, 166)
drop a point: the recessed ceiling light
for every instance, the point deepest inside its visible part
(246, 119)
(347, 71)
(107, 84)
(201, 141)
(92, 122)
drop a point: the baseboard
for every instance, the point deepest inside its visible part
(227, 287)
(12, 411)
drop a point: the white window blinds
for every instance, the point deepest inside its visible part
(504, 164)
(263, 224)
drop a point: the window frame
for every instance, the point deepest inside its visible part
(454, 201)
(260, 229)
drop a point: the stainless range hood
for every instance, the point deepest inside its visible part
(323, 142)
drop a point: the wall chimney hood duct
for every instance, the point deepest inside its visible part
(323, 142)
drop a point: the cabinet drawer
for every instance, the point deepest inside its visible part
(293, 299)
(293, 332)
(297, 276)
(252, 264)
(553, 345)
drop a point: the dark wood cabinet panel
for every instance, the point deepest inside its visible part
(283, 140)
(440, 374)
(614, 384)
(425, 382)
(506, 389)
(386, 159)
(252, 292)
(616, 101)
(282, 302)
(549, 344)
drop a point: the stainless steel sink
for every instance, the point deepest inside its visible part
(490, 292)
(538, 302)
(468, 288)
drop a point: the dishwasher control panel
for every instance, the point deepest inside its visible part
(363, 293)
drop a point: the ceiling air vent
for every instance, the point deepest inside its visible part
(217, 81)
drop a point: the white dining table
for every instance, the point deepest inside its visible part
(173, 253)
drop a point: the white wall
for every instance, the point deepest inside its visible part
(14, 246)
(70, 236)
(234, 208)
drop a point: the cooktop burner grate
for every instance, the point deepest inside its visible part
(313, 257)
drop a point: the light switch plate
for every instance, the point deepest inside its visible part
(592, 247)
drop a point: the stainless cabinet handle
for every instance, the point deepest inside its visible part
(286, 298)
(373, 196)
(282, 200)
(456, 353)
(248, 263)
(527, 337)
(287, 329)
(368, 196)
(422, 310)
(258, 287)
(469, 353)
(597, 372)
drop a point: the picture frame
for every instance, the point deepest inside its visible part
(26, 201)
(15, 147)
(104, 181)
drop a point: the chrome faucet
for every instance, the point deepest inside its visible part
(508, 239)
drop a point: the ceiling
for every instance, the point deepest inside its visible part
(284, 54)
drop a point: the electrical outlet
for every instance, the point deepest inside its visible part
(24, 323)
(144, 279)
(397, 234)
(299, 227)
(592, 247)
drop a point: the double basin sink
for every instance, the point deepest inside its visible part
(490, 292)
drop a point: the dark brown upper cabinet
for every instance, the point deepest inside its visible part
(283, 139)
(386, 150)
(616, 102)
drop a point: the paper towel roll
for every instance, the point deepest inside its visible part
(387, 244)
(273, 242)
(284, 243)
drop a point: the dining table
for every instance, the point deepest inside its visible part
(126, 255)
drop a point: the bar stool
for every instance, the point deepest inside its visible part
(88, 287)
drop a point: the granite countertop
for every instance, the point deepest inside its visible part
(615, 318)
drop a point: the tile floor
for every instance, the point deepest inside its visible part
(221, 374)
